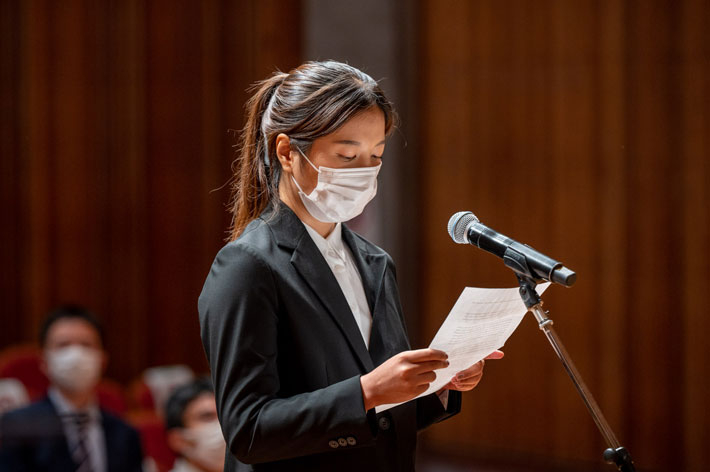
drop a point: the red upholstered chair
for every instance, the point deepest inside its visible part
(153, 439)
(111, 397)
(22, 362)
(139, 396)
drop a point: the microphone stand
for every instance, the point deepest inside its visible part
(615, 454)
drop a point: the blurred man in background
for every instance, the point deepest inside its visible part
(68, 431)
(193, 429)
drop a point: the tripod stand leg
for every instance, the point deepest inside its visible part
(615, 454)
(545, 325)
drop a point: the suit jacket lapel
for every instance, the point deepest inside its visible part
(53, 448)
(113, 453)
(310, 264)
(372, 268)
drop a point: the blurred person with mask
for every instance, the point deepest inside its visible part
(193, 429)
(67, 430)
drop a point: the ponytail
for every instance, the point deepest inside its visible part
(256, 174)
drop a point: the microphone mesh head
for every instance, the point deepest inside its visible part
(458, 224)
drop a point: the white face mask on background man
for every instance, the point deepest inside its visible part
(207, 446)
(340, 194)
(74, 368)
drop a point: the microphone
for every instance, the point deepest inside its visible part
(464, 228)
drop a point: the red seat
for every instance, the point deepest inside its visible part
(153, 439)
(111, 397)
(140, 396)
(22, 362)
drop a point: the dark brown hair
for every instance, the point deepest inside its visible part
(180, 399)
(311, 101)
(69, 311)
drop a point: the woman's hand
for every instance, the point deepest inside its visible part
(468, 379)
(401, 377)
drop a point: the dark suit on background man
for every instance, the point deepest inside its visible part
(286, 355)
(32, 440)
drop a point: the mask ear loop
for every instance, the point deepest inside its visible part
(294, 178)
(308, 160)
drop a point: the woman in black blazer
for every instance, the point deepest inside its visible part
(300, 317)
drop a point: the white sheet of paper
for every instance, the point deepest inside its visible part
(480, 322)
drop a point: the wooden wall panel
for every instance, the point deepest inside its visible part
(128, 185)
(116, 149)
(580, 128)
(9, 143)
(694, 230)
(612, 172)
(653, 149)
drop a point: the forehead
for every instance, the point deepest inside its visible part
(367, 127)
(203, 404)
(73, 330)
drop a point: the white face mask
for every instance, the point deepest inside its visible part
(74, 368)
(208, 446)
(340, 194)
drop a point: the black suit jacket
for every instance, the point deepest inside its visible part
(286, 355)
(32, 440)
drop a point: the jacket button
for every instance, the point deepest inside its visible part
(342, 442)
(334, 444)
(351, 441)
(384, 423)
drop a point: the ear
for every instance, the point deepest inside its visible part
(176, 441)
(283, 152)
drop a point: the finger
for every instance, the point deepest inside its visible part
(459, 387)
(495, 355)
(475, 369)
(425, 378)
(468, 375)
(468, 384)
(473, 381)
(464, 388)
(423, 355)
(470, 380)
(429, 366)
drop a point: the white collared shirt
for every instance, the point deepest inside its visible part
(95, 439)
(338, 256)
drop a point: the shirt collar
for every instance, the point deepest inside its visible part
(65, 407)
(334, 239)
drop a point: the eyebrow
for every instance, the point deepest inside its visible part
(355, 143)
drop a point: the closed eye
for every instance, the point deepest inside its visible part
(349, 158)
